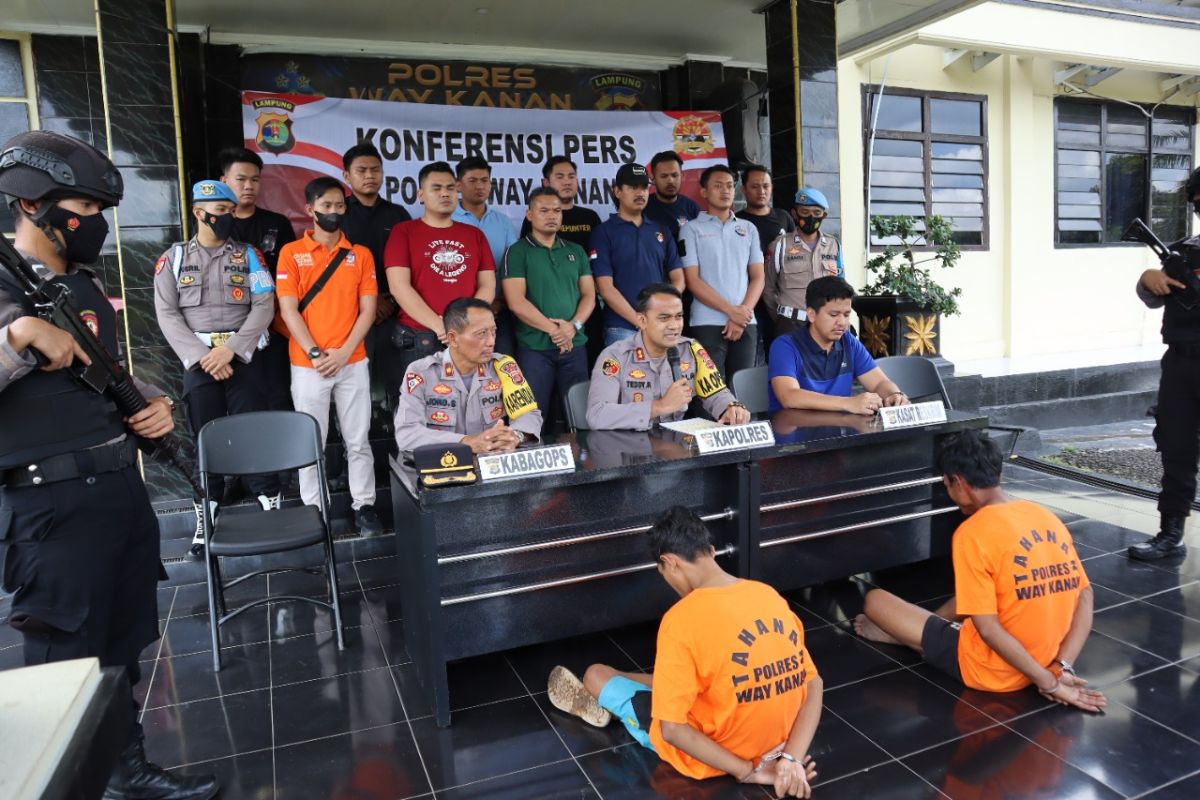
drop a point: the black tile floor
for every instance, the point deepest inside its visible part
(291, 716)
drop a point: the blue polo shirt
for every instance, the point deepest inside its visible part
(497, 228)
(634, 256)
(797, 355)
(672, 216)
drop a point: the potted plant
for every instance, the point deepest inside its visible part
(900, 308)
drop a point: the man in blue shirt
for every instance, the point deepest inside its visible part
(667, 206)
(475, 187)
(814, 366)
(629, 253)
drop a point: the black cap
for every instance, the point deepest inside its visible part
(43, 164)
(444, 464)
(632, 175)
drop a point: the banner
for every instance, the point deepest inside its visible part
(301, 137)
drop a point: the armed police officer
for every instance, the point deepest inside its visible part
(467, 393)
(1177, 431)
(78, 539)
(215, 299)
(652, 376)
(797, 258)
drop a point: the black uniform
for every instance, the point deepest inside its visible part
(80, 546)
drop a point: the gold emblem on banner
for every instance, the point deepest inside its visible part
(693, 136)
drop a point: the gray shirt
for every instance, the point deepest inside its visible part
(723, 252)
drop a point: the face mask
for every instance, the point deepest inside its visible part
(328, 222)
(220, 224)
(810, 224)
(83, 235)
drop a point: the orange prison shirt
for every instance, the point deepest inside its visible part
(732, 664)
(1017, 561)
(332, 313)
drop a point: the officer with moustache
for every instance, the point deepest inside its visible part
(79, 541)
(652, 376)
(214, 299)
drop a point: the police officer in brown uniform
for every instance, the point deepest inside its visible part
(214, 299)
(653, 375)
(467, 393)
(795, 259)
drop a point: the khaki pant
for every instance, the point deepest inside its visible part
(350, 389)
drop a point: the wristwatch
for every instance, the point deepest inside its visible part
(578, 325)
(314, 353)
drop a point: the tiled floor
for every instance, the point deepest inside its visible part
(290, 716)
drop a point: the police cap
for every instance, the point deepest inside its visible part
(209, 191)
(811, 197)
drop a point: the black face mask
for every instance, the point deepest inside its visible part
(220, 224)
(810, 224)
(328, 222)
(83, 236)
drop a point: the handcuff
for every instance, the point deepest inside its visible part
(767, 759)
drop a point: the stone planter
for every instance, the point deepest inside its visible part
(890, 325)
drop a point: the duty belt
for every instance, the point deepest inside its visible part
(1189, 350)
(789, 312)
(68, 466)
(216, 338)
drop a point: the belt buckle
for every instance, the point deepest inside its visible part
(219, 339)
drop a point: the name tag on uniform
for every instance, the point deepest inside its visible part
(720, 438)
(526, 462)
(912, 415)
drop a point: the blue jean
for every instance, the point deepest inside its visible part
(612, 335)
(545, 368)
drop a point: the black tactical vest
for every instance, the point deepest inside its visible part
(50, 413)
(1181, 325)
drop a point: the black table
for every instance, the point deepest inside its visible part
(491, 566)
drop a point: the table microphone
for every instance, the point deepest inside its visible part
(673, 360)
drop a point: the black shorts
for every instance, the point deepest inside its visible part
(939, 644)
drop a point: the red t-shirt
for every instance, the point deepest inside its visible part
(444, 262)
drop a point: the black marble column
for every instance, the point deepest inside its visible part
(802, 94)
(139, 100)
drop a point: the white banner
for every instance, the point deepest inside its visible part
(300, 137)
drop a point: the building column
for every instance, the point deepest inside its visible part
(138, 77)
(802, 95)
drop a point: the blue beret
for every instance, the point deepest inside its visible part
(209, 191)
(811, 197)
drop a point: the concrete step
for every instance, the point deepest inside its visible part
(1062, 384)
(1065, 412)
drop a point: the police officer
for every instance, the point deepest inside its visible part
(796, 258)
(467, 393)
(214, 299)
(633, 384)
(1178, 419)
(78, 539)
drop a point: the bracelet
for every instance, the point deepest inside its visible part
(893, 394)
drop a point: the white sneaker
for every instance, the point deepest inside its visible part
(270, 502)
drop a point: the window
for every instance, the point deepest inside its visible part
(17, 113)
(1112, 164)
(930, 157)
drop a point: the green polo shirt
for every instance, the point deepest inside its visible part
(551, 283)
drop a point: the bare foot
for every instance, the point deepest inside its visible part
(872, 632)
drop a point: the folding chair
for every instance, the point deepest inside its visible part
(577, 397)
(250, 444)
(749, 386)
(916, 376)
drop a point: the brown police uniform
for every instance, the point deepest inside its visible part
(790, 267)
(437, 406)
(625, 381)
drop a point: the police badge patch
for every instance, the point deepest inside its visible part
(411, 381)
(610, 368)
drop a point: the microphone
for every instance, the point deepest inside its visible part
(673, 360)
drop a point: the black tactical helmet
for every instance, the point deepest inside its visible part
(38, 165)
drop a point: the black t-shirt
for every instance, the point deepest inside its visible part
(577, 226)
(266, 230)
(370, 226)
(770, 226)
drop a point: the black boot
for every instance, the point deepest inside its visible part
(1166, 544)
(135, 778)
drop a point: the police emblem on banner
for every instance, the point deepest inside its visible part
(274, 125)
(692, 137)
(617, 91)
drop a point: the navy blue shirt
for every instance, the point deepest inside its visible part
(634, 256)
(797, 355)
(672, 216)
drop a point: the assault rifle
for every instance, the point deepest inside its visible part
(1181, 266)
(105, 374)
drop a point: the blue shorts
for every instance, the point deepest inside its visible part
(629, 701)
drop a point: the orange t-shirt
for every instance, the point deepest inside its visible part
(1017, 561)
(732, 664)
(332, 313)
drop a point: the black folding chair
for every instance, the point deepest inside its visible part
(250, 444)
(916, 376)
(749, 386)
(577, 397)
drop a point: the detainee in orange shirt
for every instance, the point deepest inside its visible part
(328, 358)
(734, 690)
(1022, 605)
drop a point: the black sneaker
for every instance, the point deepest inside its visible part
(367, 521)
